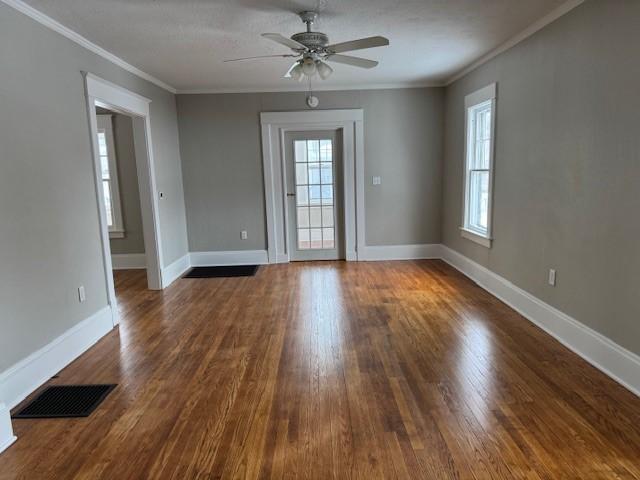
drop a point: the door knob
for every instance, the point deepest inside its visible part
(291, 194)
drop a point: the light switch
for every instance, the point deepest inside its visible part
(377, 180)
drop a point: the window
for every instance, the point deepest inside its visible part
(108, 166)
(478, 177)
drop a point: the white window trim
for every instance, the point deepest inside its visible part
(483, 95)
(105, 122)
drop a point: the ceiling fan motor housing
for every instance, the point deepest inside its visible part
(311, 40)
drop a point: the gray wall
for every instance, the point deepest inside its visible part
(567, 166)
(133, 241)
(222, 164)
(49, 240)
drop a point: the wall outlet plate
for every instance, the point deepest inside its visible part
(244, 235)
(376, 180)
(81, 294)
(552, 277)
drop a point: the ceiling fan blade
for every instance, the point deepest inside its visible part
(353, 61)
(360, 44)
(287, 55)
(282, 40)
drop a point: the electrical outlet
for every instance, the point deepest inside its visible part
(81, 295)
(243, 235)
(552, 277)
(377, 180)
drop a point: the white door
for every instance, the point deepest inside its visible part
(314, 195)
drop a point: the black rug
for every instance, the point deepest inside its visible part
(225, 271)
(63, 401)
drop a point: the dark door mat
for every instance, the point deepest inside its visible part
(224, 271)
(63, 401)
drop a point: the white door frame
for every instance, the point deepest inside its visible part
(102, 93)
(274, 126)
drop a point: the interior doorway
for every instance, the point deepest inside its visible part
(314, 195)
(106, 95)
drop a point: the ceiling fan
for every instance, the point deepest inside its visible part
(312, 50)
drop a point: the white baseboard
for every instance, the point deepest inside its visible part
(399, 252)
(615, 361)
(174, 271)
(237, 257)
(6, 430)
(24, 377)
(128, 261)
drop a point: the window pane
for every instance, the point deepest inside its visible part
(102, 143)
(327, 194)
(314, 173)
(303, 239)
(302, 195)
(313, 150)
(327, 238)
(315, 217)
(300, 147)
(327, 216)
(326, 174)
(104, 166)
(479, 201)
(325, 151)
(316, 238)
(314, 195)
(301, 173)
(303, 217)
(106, 188)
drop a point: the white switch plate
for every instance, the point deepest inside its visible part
(552, 277)
(244, 235)
(377, 180)
(81, 295)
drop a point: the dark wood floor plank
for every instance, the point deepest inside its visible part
(334, 370)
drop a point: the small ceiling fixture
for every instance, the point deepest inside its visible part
(313, 51)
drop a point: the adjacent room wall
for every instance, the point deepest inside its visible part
(566, 168)
(49, 240)
(133, 241)
(222, 164)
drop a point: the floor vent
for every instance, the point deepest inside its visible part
(64, 401)
(223, 271)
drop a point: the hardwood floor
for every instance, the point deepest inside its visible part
(332, 370)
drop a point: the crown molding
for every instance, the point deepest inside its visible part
(303, 89)
(82, 41)
(516, 39)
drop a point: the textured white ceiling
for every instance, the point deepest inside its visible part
(183, 42)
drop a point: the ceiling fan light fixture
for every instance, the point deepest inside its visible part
(296, 73)
(324, 70)
(308, 67)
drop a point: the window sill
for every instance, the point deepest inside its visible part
(116, 234)
(475, 237)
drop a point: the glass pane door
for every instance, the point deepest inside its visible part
(315, 186)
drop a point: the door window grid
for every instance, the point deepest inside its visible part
(314, 194)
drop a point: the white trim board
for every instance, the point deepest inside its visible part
(292, 88)
(516, 39)
(20, 380)
(613, 360)
(237, 257)
(399, 252)
(175, 270)
(6, 430)
(52, 24)
(128, 261)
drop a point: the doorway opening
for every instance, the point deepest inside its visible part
(106, 101)
(283, 225)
